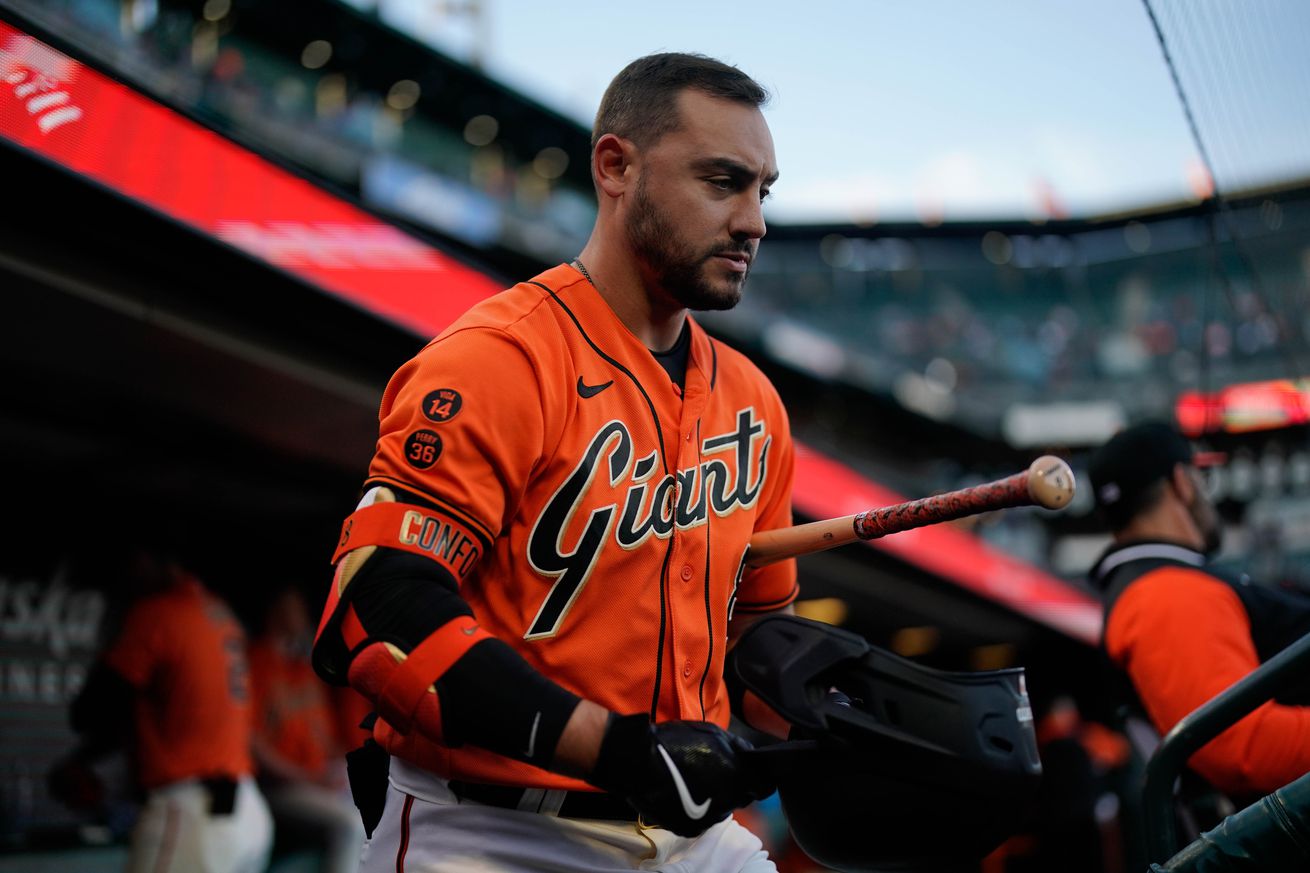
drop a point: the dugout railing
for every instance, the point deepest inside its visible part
(1202, 726)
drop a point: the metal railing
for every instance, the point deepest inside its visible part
(1199, 728)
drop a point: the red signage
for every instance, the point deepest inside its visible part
(1245, 407)
(73, 115)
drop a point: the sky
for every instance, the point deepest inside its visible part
(937, 109)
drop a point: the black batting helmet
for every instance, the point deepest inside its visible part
(891, 765)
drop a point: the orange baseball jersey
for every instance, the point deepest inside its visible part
(185, 653)
(594, 513)
(1183, 637)
(293, 708)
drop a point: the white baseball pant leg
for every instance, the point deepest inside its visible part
(176, 833)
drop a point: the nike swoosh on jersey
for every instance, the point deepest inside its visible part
(693, 810)
(585, 390)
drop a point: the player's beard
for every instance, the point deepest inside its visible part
(675, 264)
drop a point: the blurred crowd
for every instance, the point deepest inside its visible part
(1089, 311)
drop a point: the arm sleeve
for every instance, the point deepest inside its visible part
(774, 586)
(461, 426)
(488, 695)
(102, 711)
(1184, 637)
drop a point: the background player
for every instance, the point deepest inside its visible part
(174, 686)
(1182, 630)
(564, 487)
(297, 741)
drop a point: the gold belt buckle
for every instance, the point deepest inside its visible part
(642, 827)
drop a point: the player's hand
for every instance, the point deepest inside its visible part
(681, 775)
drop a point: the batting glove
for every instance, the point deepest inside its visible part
(685, 776)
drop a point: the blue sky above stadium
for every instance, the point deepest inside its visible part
(939, 110)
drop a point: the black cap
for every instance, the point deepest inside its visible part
(1135, 459)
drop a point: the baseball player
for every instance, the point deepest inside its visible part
(177, 673)
(1182, 630)
(296, 743)
(541, 582)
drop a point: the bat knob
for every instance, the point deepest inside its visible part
(1050, 482)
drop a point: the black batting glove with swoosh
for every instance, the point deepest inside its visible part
(684, 776)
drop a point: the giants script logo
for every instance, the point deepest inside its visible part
(650, 508)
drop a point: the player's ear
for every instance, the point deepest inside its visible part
(1183, 483)
(612, 164)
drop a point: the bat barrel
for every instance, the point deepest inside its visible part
(1047, 482)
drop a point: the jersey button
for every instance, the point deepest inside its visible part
(686, 670)
(687, 572)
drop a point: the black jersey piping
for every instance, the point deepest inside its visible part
(714, 366)
(659, 430)
(664, 460)
(709, 616)
(659, 664)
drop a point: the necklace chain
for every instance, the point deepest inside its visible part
(577, 262)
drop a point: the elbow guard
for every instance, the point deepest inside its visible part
(393, 623)
(396, 629)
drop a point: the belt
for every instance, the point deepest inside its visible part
(222, 791)
(548, 801)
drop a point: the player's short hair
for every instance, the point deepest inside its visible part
(641, 103)
(1122, 514)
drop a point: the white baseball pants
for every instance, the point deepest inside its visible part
(426, 829)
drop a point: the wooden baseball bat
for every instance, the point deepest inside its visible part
(1047, 482)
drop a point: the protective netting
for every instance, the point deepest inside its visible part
(1244, 73)
(1243, 83)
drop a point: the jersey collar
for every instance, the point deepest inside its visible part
(605, 327)
(1118, 555)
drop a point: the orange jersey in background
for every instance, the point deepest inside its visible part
(1184, 636)
(293, 708)
(185, 654)
(595, 514)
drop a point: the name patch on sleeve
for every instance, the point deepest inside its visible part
(413, 529)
